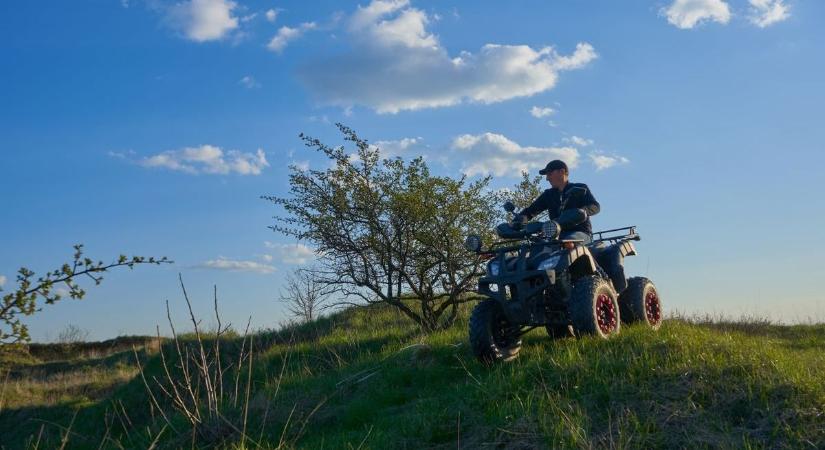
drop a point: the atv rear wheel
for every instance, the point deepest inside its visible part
(594, 308)
(640, 302)
(492, 337)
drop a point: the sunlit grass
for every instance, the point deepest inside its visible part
(370, 378)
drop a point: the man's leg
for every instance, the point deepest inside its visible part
(612, 263)
(584, 237)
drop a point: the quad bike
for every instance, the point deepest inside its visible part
(536, 278)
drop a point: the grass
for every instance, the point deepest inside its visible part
(368, 379)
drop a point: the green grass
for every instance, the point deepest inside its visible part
(367, 378)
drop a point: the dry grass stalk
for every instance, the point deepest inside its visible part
(194, 376)
(3, 390)
(149, 391)
(65, 439)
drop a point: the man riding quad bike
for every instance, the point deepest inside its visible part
(543, 275)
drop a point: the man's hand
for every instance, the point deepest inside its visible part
(519, 220)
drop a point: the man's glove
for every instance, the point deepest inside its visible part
(519, 220)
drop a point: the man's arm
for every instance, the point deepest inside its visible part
(540, 204)
(589, 203)
(582, 206)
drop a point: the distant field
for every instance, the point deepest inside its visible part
(368, 379)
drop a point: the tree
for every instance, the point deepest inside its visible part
(525, 192)
(72, 334)
(304, 295)
(388, 230)
(23, 301)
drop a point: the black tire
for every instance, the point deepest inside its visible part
(559, 331)
(594, 307)
(491, 336)
(640, 302)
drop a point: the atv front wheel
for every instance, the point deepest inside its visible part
(594, 308)
(640, 302)
(492, 337)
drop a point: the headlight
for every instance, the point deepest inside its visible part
(492, 269)
(473, 243)
(550, 262)
(551, 230)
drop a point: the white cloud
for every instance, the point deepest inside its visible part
(323, 119)
(539, 112)
(301, 165)
(391, 149)
(583, 54)
(580, 141)
(687, 14)
(249, 82)
(272, 14)
(602, 161)
(287, 34)
(396, 64)
(2, 280)
(208, 159)
(407, 29)
(236, 266)
(121, 155)
(203, 20)
(292, 253)
(767, 12)
(267, 258)
(496, 154)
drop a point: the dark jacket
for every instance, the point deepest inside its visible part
(574, 196)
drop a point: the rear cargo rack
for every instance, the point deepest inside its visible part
(616, 235)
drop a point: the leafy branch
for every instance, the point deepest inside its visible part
(23, 301)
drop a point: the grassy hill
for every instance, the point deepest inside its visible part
(367, 379)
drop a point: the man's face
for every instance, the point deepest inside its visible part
(557, 178)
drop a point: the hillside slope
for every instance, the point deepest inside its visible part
(366, 378)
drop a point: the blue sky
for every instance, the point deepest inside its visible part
(152, 127)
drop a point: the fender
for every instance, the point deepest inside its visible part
(628, 249)
(579, 260)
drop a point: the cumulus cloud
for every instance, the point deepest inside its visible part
(2, 280)
(686, 14)
(767, 12)
(539, 112)
(301, 165)
(203, 20)
(407, 29)
(491, 153)
(249, 82)
(288, 34)
(272, 14)
(291, 253)
(396, 64)
(400, 147)
(236, 266)
(579, 141)
(208, 159)
(122, 155)
(602, 161)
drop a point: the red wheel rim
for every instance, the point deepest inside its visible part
(653, 309)
(606, 314)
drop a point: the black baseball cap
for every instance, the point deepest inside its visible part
(555, 164)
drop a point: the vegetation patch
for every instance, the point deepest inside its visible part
(368, 377)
